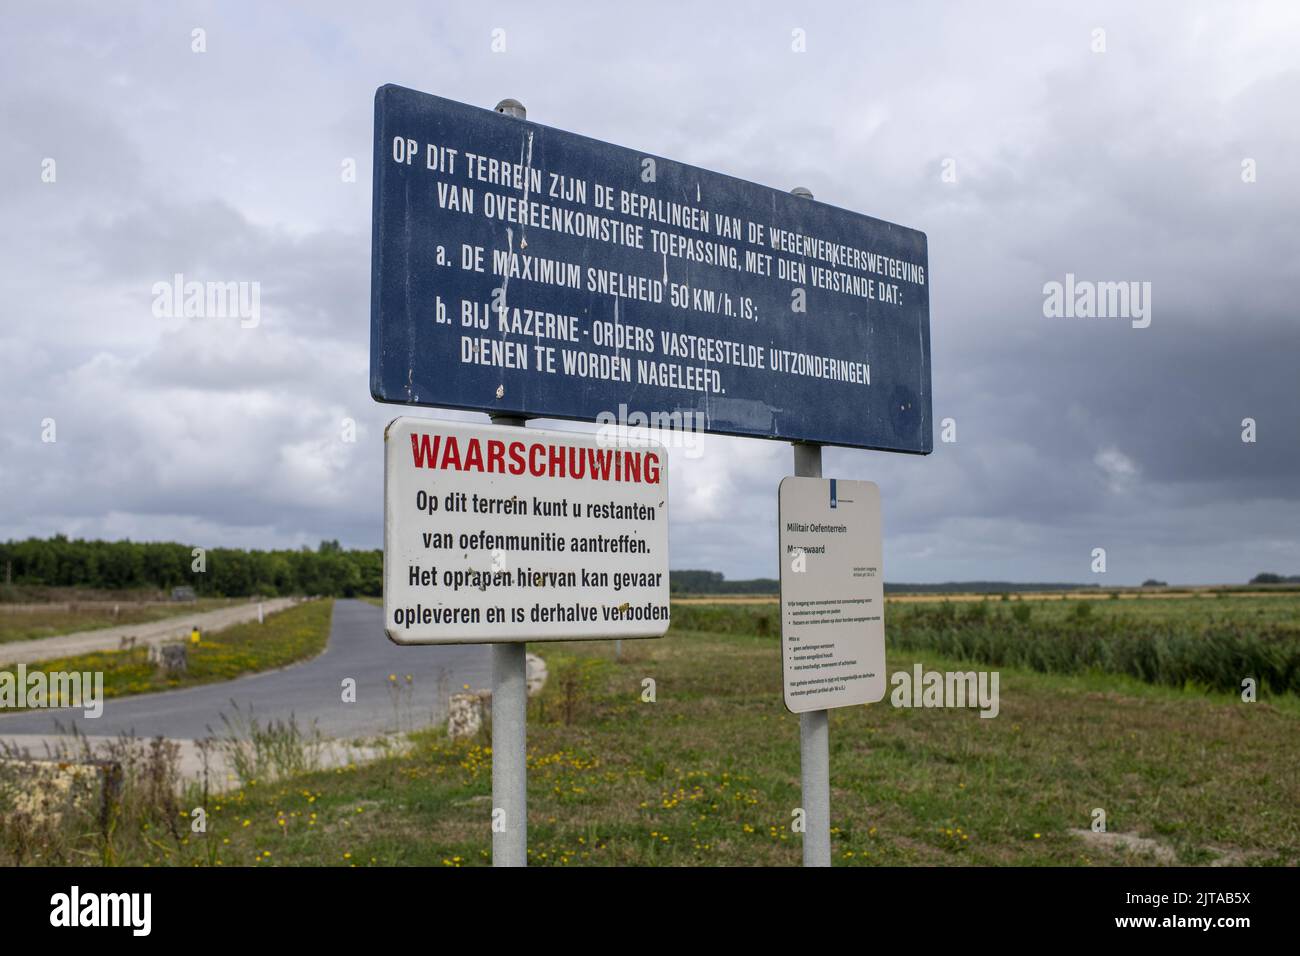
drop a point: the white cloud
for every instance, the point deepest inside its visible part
(1118, 468)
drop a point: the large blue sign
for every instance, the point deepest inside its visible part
(521, 269)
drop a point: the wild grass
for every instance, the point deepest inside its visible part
(83, 804)
(126, 801)
(1176, 650)
(256, 750)
(1175, 642)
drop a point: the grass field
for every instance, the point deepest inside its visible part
(1210, 643)
(289, 636)
(60, 618)
(708, 774)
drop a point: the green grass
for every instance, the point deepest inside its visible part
(709, 773)
(1205, 642)
(28, 625)
(287, 637)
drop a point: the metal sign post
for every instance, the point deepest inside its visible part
(510, 708)
(509, 736)
(814, 731)
(814, 726)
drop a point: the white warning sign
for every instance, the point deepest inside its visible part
(495, 533)
(832, 593)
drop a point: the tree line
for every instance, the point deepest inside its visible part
(329, 570)
(211, 572)
(713, 582)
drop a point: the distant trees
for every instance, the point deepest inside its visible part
(330, 569)
(695, 582)
(229, 572)
(712, 582)
(1270, 578)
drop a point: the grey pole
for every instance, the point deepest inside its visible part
(509, 755)
(814, 725)
(814, 731)
(509, 740)
(510, 708)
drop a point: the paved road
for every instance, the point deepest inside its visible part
(311, 691)
(147, 632)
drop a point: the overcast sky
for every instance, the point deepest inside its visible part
(1072, 434)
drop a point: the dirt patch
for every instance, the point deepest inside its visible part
(1131, 844)
(1127, 843)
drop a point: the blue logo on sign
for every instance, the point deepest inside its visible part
(833, 500)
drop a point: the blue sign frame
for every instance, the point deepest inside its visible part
(519, 269)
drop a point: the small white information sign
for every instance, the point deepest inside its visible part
(495, 533)
(832, 593)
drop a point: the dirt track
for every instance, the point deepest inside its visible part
(149, 632)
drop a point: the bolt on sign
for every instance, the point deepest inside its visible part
(519, 269)
(494, 533)
(832, 593)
